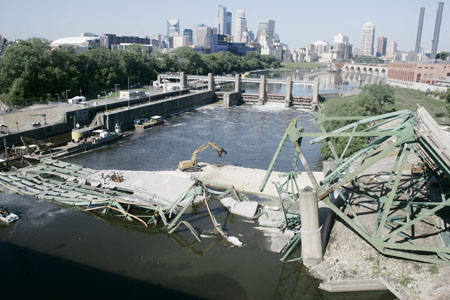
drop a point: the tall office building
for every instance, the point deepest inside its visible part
(340, 38)
(228, 22)
(268, 26)
(419, 29)
(437, 29)
(341, 43)
(321, 47)
(173, 27)
(188, 33)
(240, 25)
(381, 46)
(391, 50)
(367, 41)
(203, 36)
(221, 19)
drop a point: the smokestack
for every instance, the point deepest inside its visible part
(419, 29)
(437, 29)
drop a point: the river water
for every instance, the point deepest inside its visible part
(59, 252)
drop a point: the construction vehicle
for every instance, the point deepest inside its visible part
(191, 165)
(44, 116)
(40, 146)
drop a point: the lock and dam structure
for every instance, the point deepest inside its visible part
(194, 91)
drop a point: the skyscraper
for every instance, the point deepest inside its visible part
(203, 36)
(419, 29)
(392, 50)
(368, 36)
(221, 19)
(437, 29)
(228, 22)
(341, 43)
(268, 26)
(173, 27)
(240, 26)
(381, 46)
(188, 34)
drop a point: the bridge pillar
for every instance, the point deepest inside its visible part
(211, 86)
(183, 80)
(310, 230)
(262, 89)
(237, 83)
(288, 98)
(315, 99)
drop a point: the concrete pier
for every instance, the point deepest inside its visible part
(262, 90)
(211, 85)
(183, 81)
(328, 166)
(315, 100)
(288, 98)
(237, 83)
(310, 232)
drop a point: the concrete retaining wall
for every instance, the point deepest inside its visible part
(415, 85)
(60, 132)
(55, 130)
(125, 117)
(84, 116)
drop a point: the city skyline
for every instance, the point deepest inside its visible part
(302, 23)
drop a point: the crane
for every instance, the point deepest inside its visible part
(191, 165)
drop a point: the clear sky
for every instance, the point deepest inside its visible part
(298, 22)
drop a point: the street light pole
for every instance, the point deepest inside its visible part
(58, 96)
(106, 111)
(67, 95)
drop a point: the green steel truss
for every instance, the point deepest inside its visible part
(386, 213)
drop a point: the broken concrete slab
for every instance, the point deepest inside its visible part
(164, 186)
(246, 209)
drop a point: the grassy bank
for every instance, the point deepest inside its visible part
(404, 99)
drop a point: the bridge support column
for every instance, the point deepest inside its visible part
(211, 86)
(288, 98)
(262, 90)
(237, 83)
(310, 231)
(315, 99)
(183, 81)
(237, 86)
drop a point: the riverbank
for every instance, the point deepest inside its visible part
(404, 99)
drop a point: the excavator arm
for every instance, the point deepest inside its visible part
(189, 164)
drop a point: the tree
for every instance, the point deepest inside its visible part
(442, 55)
(375, 99)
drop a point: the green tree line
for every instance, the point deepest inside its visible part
(31, 72)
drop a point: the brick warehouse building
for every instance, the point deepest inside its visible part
(428, 73)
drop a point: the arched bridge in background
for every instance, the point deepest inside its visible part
(369, 69)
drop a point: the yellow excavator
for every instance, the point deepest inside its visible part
(191, 165)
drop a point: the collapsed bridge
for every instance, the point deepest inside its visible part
(401, 213)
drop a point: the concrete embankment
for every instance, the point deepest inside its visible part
(126, 116)
(121, 114)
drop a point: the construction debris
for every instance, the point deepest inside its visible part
(407, 222)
